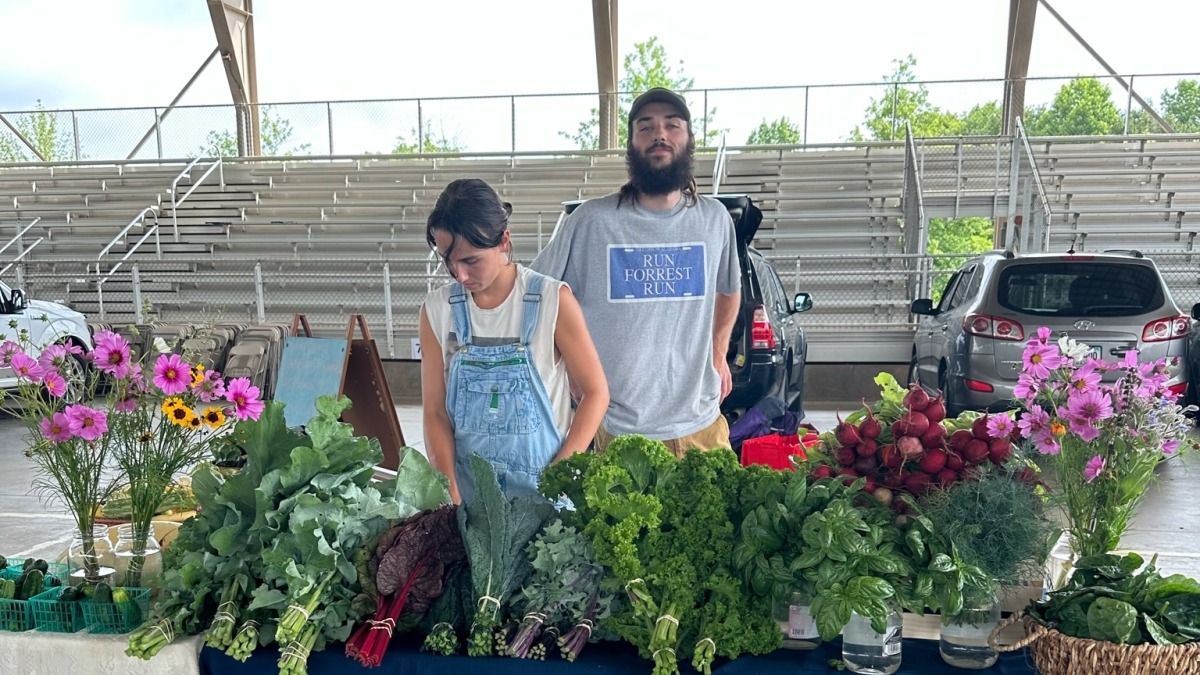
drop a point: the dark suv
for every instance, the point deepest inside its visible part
(970, 345)
(768, 348)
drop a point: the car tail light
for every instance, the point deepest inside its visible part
(1166, 328)
(762, 336)
(976, 385)
(995, 327)
(1179, 388)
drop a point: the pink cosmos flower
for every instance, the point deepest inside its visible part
(56, 429)
(25, 366)
(7, 351)
(126, 405)
(244, 397)
(54, 383)
(86, 423)
(53, 357)
(1046, 443)
(171, 374)
(1092, 405)
(111, 354)
(1094, 466)
(1170, 447)
(1000, 426)
(1034, 421)
(1084, 378)
(1026, 388)
(1043, 334)
(1041, 359)
(211, 388)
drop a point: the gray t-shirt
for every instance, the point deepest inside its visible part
(647, 282)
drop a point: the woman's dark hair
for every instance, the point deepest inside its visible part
(469, 208)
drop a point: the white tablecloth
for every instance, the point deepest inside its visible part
(35, 653)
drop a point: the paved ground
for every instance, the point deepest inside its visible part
(1168, 522)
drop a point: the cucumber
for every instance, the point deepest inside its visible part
(8, 589)
(42, 565)
(69, 594)
(103, 593)
(34, 583)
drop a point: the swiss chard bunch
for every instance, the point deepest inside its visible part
(1108, 599)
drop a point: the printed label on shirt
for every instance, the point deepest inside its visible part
(647, 273)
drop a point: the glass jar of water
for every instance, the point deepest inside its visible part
(90, 560)
(138, 556)
(964, 639)
(795, 621)
(864, 650)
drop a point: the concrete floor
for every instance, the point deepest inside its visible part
(1168, 522)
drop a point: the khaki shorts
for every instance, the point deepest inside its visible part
(715, 435)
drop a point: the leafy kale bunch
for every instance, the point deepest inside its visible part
(663, 529)
(1108, 599)
(272, 548)
(846, 550)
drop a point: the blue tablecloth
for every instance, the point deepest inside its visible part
(920, 657)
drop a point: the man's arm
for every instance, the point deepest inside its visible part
(723, 320)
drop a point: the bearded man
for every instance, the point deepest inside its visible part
(655, 269)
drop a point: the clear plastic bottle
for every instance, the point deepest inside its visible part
(865, 651)
(795, 621)
(95, 565)
(964, 639)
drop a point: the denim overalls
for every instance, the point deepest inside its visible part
(498, 403)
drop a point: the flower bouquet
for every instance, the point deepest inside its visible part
(1103, 426)
(141, 425)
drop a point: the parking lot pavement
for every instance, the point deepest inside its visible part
(1168, 522)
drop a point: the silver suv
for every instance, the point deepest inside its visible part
(969, 346)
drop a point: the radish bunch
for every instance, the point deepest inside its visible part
(920, 449)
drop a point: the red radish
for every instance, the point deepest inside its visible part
(1028, 476)
(934, 437)
(894, 481)
(960, 438)
(946, 477)
(883, 494)
(911, 423)
(866, 465)
(954, 461)
(916, 399)
(999, 450)
(936, 410)
(845, 432)
(979, 428)
(933, 461)
(822, 471)
(975, 452)
(900, 506)
(917, 482)
(845, 456)
(910, 447)
(849, 476)
(891, 456)
(869, 427)
(866, 448)
(871, 485)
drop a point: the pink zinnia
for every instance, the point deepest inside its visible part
(1000, 426)
(25, 366)
(1094, 466)
(1041, 359)
(112, 354)
(7, 351)
(244, 397)
(211, 388)
(171, 374)
(56, 429)
(54, 383)
(85, 422)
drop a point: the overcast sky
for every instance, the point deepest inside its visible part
(74, 54)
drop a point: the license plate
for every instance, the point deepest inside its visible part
(1097, 352)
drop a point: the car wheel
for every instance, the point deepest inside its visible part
(75, 373)
(952, 408)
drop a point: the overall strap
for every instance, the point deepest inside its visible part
(529, 311)
(458, 310)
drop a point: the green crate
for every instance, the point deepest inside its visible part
(54, 616)
(57, 570)
(117, 617)
(15, 615)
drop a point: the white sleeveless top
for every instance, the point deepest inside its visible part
(502, 325)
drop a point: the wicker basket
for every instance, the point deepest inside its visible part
(1057, 654)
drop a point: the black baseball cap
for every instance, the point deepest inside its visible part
(660, 95)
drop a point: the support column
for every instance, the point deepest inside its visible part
(604, 23)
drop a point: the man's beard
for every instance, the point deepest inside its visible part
(655, 181)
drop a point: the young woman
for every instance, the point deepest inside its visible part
(502, 349)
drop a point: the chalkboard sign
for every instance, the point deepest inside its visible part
(309, 367)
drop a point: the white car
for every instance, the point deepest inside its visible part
(47, 323)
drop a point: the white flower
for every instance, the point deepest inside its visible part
(1077, 351)
(160, 346)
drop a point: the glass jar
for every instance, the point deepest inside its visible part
(964, 639)
(871, 653)
(795, 621)
(138, 555)
(91, 562)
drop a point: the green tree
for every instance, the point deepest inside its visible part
(951, 236)
(905, 100)
(274, 133)
(40, 127)
(644, 68)
(778, 132)
(1082, 107)
(430, 142)
(982, 120)
(1180, 108)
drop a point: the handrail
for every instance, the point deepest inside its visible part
(1037, 182)
(140, 217)
(133, 249)
(23, 254)
(17, 236)
(176, 200)
(719, 167)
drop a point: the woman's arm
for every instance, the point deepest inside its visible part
(587, 377)
(439, 437)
